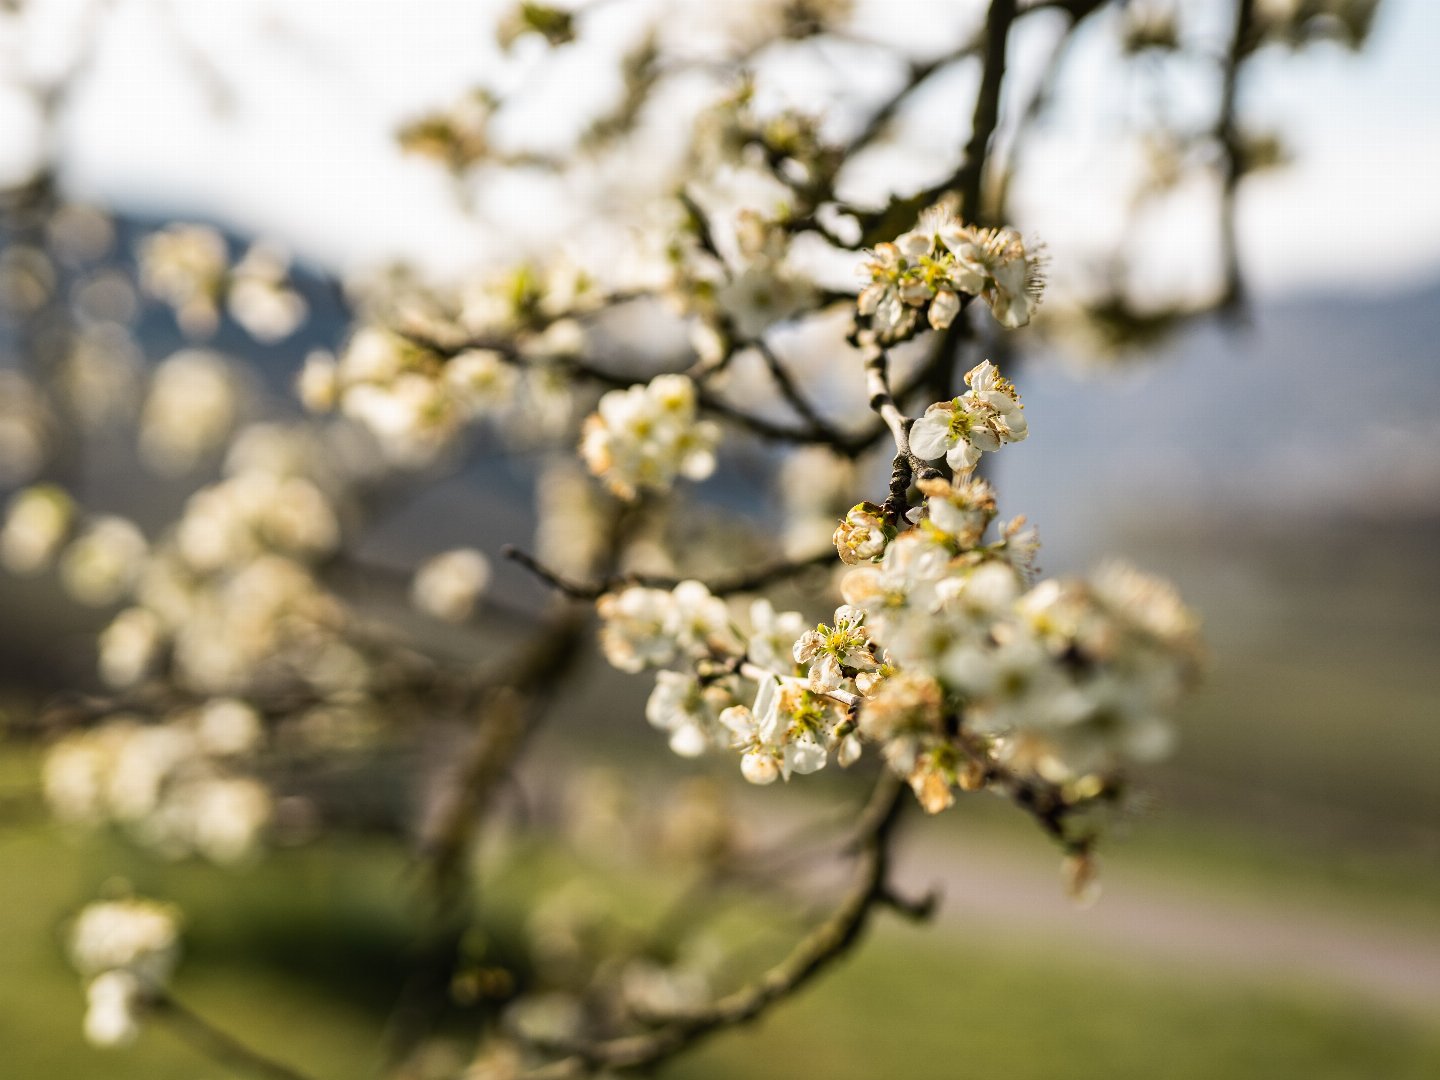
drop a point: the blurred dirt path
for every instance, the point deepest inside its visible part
(985, 888)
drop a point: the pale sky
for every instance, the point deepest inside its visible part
(309, 93)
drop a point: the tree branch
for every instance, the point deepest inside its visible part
(968, 177)
(217, 1044)
(792, 394)
(1227, 133)
(829, 941)
(722, 586)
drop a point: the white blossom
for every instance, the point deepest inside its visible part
(684, 709)
(102, 563)
(830, 649)
(448, 585)
(782, 735)
(481, 381)
(939, 261)
(756, 733)
(413, 417)
(224, 816)
(139, 936)
(185, 266)
(36, 524)
(129, 646)
(260, 298)
(772, 636)
(961, 510)
(636, 631)
(112, 1009)
(904, 580)
(191, 408)
(862, 536)
(228, 726)
(982, 419)
(994, 264)
(646, 436)
(699, 622)
(318, 384)
(25, 427)
(74, 777)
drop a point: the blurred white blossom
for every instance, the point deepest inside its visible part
(259, 296)
(112, 1009)
(185, 266)
(139, 936)
(191, 408)
(101, 564)
(37, 521)
(448, 585)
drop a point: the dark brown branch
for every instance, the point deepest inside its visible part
(506, 715)
(971, 175)
(1228, 135)
(968, 177)
(845, 444)
(1042, 800)
(721, 586)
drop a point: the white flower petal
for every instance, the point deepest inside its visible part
(930, 436)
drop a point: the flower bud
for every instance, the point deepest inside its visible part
(862, 536)
(759, 767)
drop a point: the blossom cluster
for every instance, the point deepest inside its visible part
(944, 657)
(791, 727)
(939, 264)
(1063, 680)
(743, 297)
(98, 556)
(644, 437)
(786, 145)
(126, 950)
(228, 597)
(178, 786)
(188, 267)
(401, 393)
(981, 420)
(224, 604)
(713, 279)
(415, 400)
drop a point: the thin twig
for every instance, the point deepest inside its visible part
(1042, 800)
(845, 444)
(721, 586)
(217, 1044)
(791, 392)
(508, 706)
(829, 941)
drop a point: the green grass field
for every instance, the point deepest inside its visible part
(300, 955)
